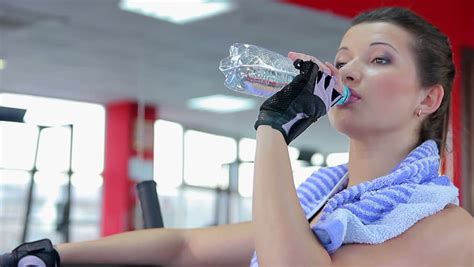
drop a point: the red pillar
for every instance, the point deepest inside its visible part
(119, 198)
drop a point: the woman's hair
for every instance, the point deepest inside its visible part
(434, 63)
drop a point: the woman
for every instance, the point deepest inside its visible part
(400, 70)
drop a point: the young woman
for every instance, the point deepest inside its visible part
(399, 71)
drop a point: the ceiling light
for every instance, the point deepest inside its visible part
(3, 64)
(177, 11)
(221, 103)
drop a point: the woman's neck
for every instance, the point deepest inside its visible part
(376, 157)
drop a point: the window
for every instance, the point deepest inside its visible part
(18, 142)
(168, 154)
(247, 149)
(246, 179)
(205, 159)
(54, 149)
(18, 145)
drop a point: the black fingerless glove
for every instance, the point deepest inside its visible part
(38, 253)
(300, 103)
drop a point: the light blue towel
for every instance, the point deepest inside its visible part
(375, 211)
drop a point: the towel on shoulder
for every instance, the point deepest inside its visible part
(377, 210)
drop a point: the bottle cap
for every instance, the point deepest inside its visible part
(346, 94)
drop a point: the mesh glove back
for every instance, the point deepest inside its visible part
(300, 103)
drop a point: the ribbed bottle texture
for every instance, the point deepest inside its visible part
(255, 70)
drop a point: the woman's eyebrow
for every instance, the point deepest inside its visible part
(382, 43)
(372, 44)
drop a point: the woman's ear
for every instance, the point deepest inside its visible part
(432, 100)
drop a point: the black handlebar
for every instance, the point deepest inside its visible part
(150, 204)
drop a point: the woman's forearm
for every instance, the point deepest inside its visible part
(151, 246)
(282, 234)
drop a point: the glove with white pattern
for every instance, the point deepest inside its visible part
(39, 253)
(300, 103)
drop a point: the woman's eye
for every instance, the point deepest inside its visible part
(381, 60)
(339, 65)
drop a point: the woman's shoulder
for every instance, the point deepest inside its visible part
(450, 232)
(441, 239)
(452, 214)
(460, 221)
(453, 219)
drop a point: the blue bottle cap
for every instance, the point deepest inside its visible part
(346, 94)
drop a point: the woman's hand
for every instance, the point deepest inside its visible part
(37, 253)
(303, 101)
(326, 67)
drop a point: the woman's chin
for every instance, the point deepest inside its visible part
(348, 126)
(340, 119)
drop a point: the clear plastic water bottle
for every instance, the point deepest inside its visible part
(256, 71)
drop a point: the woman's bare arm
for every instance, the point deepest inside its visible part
(283, 236)
(227, 245)
(230, 245)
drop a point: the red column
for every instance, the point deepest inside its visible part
(121, 147)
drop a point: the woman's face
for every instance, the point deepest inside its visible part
(376, 61)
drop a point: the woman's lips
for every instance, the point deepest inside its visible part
(352, 98)
(354, 93)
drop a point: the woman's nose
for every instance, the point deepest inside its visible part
(350, 74)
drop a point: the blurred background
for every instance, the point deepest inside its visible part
(97, 96)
